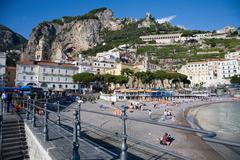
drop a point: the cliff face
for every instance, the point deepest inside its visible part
(70, 35)
(11, 43)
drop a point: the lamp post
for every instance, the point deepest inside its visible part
(79, 117)
(75, 153)
(124, 147)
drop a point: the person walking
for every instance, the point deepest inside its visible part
(150, 114)
(4, 100)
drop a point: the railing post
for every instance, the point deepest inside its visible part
(27, 110)
(75, 153)
(79, 120)
(124, 147)
(1, 112)
(58, 111)
(45, 130)
(33, 114)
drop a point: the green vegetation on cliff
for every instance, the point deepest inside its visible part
(129, 34)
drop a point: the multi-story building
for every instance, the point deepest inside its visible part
(10, 76)
(233, 55)
(109, 56)
(210, 73)
(119, 67)
(55, 76)
(163, 38)
(2, 68)
(228, 68)
(102, 67)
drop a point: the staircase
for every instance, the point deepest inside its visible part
(14, 145)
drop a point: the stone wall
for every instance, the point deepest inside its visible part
(35, 149)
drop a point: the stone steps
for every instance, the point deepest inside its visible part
(14, 145)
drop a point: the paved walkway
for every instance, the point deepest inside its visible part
(59, 145)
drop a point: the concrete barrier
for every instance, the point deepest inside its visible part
(36, 151)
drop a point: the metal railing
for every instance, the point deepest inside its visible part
(30, 107)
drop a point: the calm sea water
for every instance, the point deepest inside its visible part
(223, 118)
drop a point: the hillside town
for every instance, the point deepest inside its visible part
(56, 75)
(96, 86)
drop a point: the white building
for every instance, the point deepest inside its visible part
(202, 36)
(233, 55)
(2, 67)
(229, 68)
(163, 38)
(227, 29)
(210, 73)
(46, 74)
(83, 67)
(111, 55)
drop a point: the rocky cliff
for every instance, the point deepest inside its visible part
(11, 43)
(68, 36)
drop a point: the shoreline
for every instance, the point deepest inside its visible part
(186, 143)
(190, 120)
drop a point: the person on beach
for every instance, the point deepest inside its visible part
(166, 139)
(149, 114)
(154, 106)
(165, 114)
(169, 113)
(173, 118)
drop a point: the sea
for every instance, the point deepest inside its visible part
(223, 118)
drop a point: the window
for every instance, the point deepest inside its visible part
(58, 79)
(74, 86)
(51, 78)
(31, 78)
(60, 86)
(66, 86)
(24, 68)
(43, 78)
(24, 77)
(52, 70)
(53, 85)
(66, 71)
(66, 79)
(31, 68)
(44, 70)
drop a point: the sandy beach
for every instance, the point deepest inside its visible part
(186, 143)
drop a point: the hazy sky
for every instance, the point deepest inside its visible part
(22, 15)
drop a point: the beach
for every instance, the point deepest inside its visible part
(186, 143)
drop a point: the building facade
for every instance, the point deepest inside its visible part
(110, 56)
(210, 73)
(54, 76)
(10, 76)
(233, 55)
(2, 68)
(163, 38)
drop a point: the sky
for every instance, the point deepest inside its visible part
(23, 15)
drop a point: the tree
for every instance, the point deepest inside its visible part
(121, 79)
(146, 78)
(127, 72)
(160, 75)
(235, 79)
(84, 78)
(138, 75)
